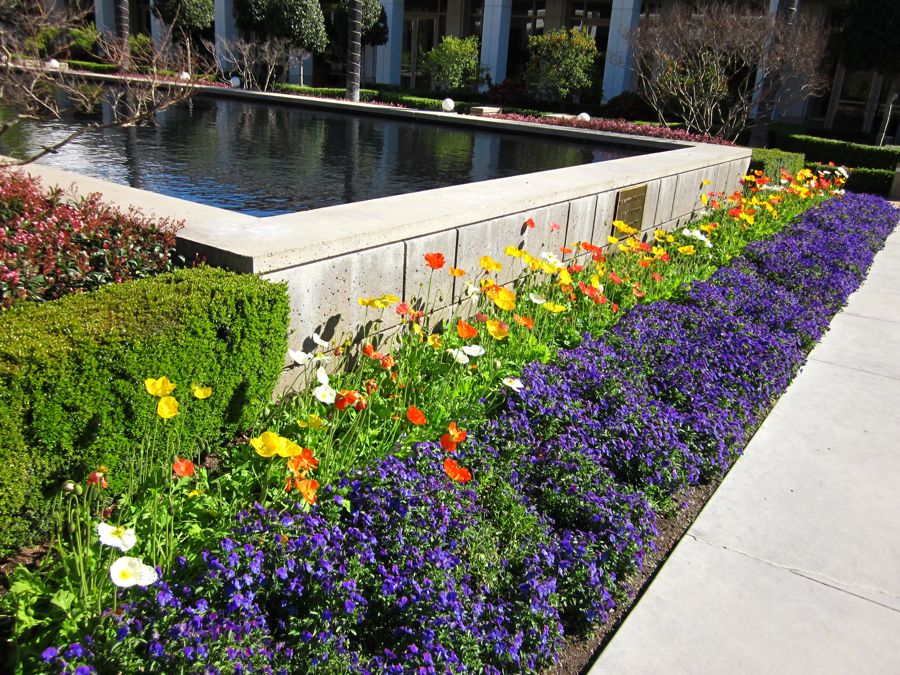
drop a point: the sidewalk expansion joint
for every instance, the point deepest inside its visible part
(809, 576)
(870, 318)
(859, 370)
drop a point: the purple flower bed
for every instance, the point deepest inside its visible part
(399, 569)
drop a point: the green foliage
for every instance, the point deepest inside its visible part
(71, 374)
(841, 152)
(299, 21)
(188, 14)
(454, 63)
(83, 39)
(141, 48)
(771, 161)
(92, 67)
(323, 92)
(559, 64)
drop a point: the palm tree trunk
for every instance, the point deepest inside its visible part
(124, 26)
(354, 50)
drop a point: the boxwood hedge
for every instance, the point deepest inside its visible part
(72, 371)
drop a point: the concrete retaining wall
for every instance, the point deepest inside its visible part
(330, 257)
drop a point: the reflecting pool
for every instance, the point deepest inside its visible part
(265, 159)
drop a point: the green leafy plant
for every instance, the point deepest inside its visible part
(559, 64)
(454, 64)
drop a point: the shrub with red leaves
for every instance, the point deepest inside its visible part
(51, 246)
(619, 126)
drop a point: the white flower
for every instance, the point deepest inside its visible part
(128, 571)
(551, 258)
(319, 341)
(473, 350)
(537, 299)
(122, 538)
(321, 358)
(324, 392)
(301, 358)
(458, 356)
(472, 291)
(513, 383)
(843, 171)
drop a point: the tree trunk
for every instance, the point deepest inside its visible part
(124, 27)
(354, 50)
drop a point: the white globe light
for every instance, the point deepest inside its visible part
(583, 117)
(447, 104)
(235, 81)
(53, 63)
(185, 75)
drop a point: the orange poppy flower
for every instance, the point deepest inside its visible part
(307, 488)
(369, 351)
(615, 308)
(456, 272)
(345, 398)
(416, 416)
(465, 330)
(456, 472)
(657, 277)
(371, 385)
(98, 478)
(301, 464)
(387, 362)
(434, 260)
(614, 278)
(530, 223)
(183, 467)
(526, 321)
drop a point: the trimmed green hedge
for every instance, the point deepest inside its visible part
(93, 67)
(841, 152)
(861, 179)
(72, 372)
(772, 161)
(323, 92)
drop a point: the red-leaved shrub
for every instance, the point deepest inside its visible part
(51, 245)
(619, 126)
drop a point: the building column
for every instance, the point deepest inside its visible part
(619, 68)
(456, 18)
(225, 30)
(387, 61)
(837, 88)
(872, 102)
(495, 38)
(105, 16)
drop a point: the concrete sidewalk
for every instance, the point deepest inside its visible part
(794, 564)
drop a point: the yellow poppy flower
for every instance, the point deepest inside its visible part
(687, 250)
(497, 329)
(201, 392)
(489, 264)
(704, 198)
(159, 387)
(553, 307)
(621, 226)
(564, 276)
(502, 297)
(167, 407)
(659, 235)
(514, 252)
(387, 297)
(268, 444)
(314, 422)
(434, 341)
(612, 240)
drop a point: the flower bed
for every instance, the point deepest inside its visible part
(478, 550)
(50, 247)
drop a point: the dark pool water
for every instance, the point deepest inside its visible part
(263, 159)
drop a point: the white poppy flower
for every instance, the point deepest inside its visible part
(472, 291)
(458, 356)
(473, 350)
(325, 394)
(301, 358)
(537, 299)
(513, 383)
(319, 341)
(322, 376)
(321, 358)
(128, 571)
(122, 538)
(551, 258)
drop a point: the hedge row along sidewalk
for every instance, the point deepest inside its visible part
(399, 567)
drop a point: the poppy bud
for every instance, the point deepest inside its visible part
(79, 490)
(68, 486)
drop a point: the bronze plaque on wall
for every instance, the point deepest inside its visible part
(630, 206)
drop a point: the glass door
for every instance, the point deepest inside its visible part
(420, 35)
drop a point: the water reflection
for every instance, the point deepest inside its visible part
(269, 159)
